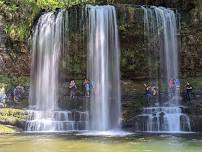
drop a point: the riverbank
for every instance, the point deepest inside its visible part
(12, 120)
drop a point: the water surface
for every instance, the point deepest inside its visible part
(68, 143)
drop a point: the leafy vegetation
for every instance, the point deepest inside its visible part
(19, 15)
(9, 81)
(11, 117)
(13, 114)
(6, 130)
(196, 82)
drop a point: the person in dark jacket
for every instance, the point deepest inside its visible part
(189, 89)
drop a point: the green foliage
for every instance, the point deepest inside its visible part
(50, 4)
(11, 117)
(9, 81)
(13, 114)
(19, 15)
(17, 32)
(6, 130)
(196, 82)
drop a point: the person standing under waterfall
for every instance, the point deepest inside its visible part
(177, 85)
(92, 87)
(73, 88)
(18, 93)
(155, 91)
(189, 89)
(148, 92)
(171, 85)
(86, 84)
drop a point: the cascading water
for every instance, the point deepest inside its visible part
(103, 68)
(160, 119)
(160, 26)
(45, 114)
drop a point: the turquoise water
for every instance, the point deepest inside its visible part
(69, 143)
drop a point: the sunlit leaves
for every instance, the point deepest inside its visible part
(19, 15)
(50, 4)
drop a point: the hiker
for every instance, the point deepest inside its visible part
(73, 88)
(86, 84)
(189, 89)
(177, 84)
(155, 91)
(18, 93)
(171, 85)
(92, 87)
(148, 91)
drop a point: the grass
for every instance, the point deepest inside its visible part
(5, 129)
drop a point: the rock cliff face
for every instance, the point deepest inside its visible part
(14, 55)
(133, 55)
(191, 41)
(134, 64)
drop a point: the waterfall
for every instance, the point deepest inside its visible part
(166, 21)
(103, 71)
(161, 29)
(45, 60)
(44, 113)
(161, 33)
(103, 68)
(163, 119)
